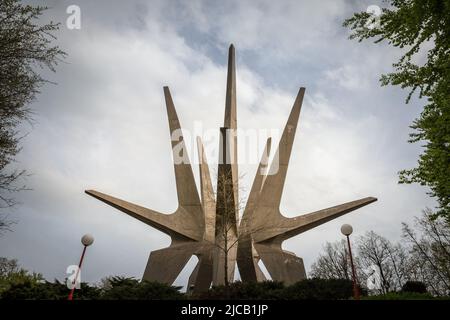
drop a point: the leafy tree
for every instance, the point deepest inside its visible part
(414, 26)
(25, 49)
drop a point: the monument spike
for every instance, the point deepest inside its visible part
(184, 177)
(300, 224)
(256, 186)
(230, 120)
(229, 130)
(274, 183)
(207, 192)
(247, 257)
(162, 222)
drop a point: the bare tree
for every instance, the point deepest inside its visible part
(333, 262)
(390, 260)
(228, 219)
(8, 266)
(430, 252)
(423, 256)
(400, 263)
(5, 224)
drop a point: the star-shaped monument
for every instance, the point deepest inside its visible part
(207, 225)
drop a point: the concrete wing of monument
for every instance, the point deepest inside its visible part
(266, 228)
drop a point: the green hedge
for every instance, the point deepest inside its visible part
(120, 288)
(401, 296)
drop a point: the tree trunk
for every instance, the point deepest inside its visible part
(226, 264)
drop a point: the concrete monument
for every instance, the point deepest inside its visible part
(196, 227)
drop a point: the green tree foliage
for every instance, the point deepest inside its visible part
(121, 288)
(45, 290)
(414, 26)
(310, 289)
(11, 275)
(18, 284)
(25, 49)
(402, 296)
(267, 290)
(319, 289)
(414, 286)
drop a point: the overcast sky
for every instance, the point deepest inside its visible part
(104, 125)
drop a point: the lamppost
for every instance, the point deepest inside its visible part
(347, 230)
(86, 240)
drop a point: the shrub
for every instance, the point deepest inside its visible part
(319, 289)
(32, 290)
(267, 290)
(310, 289)
(414, 286)
(121, 288)
(401, 296)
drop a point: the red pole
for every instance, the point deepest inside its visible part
(76, 275)
(355, 284)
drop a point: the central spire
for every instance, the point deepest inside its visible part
(227, 202)
(230, 120)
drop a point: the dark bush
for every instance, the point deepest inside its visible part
(401, 296)
(30, 290)
(310, 289)
(120, 288)
(267, 290)
(319, 289)
(414, 286)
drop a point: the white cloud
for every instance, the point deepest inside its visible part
(347, 77)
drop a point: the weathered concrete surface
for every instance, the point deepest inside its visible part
(208, 227)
